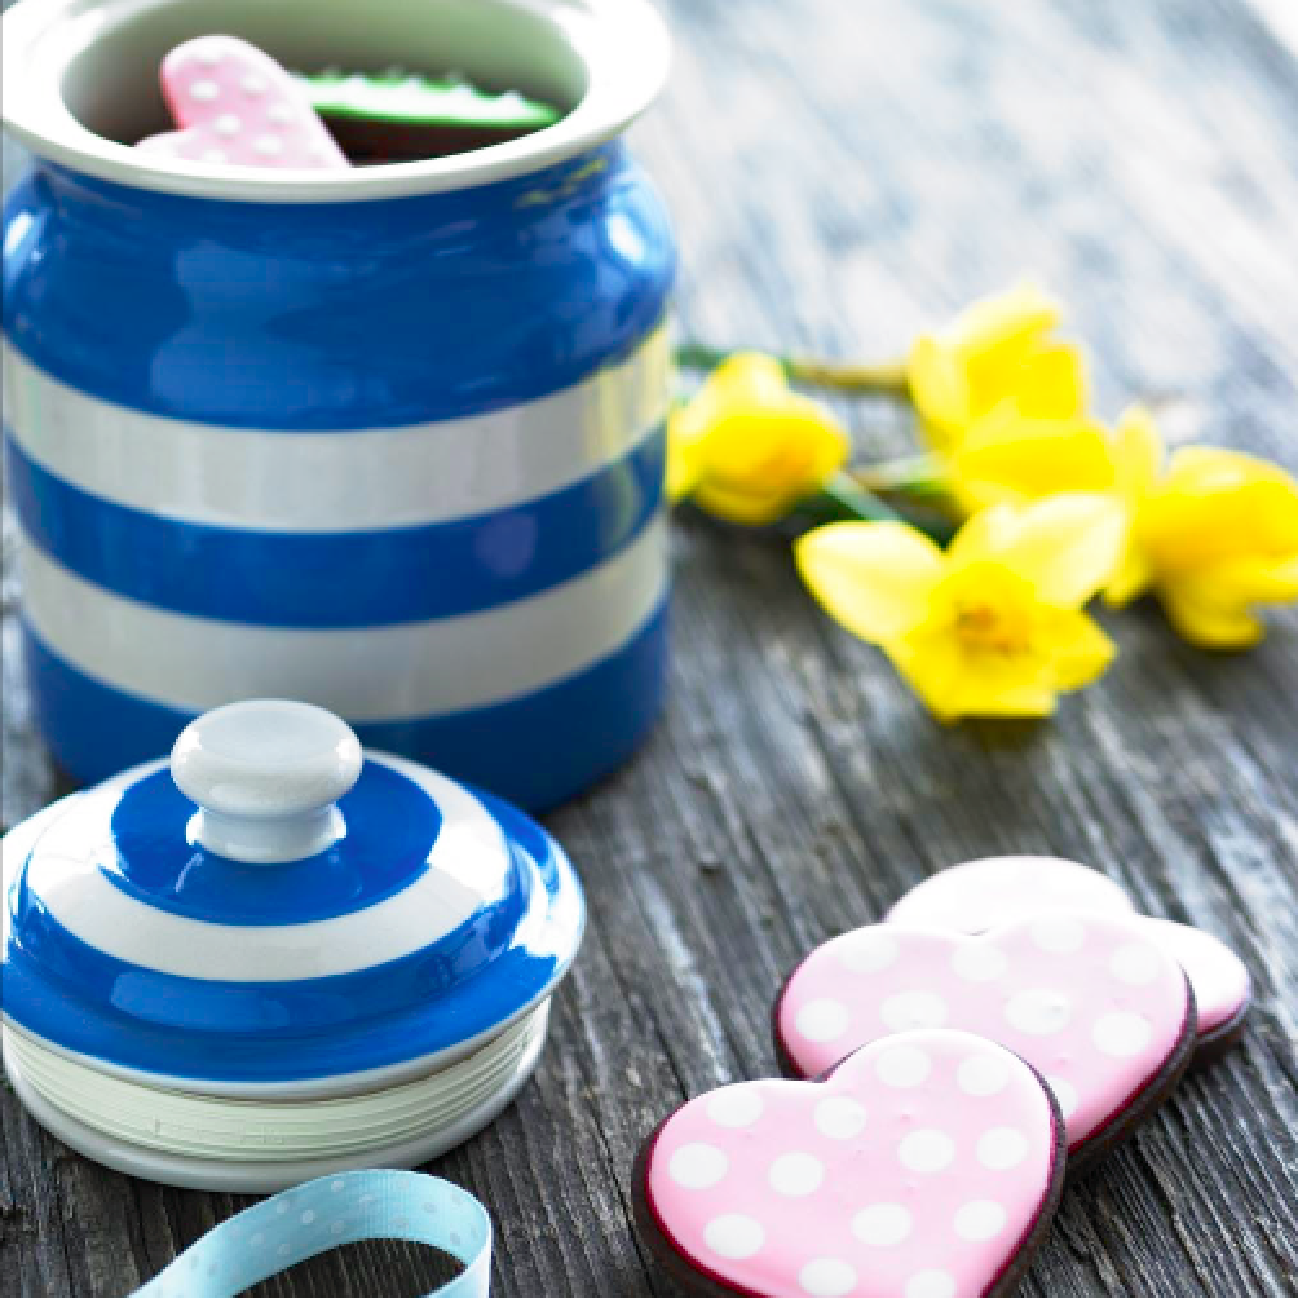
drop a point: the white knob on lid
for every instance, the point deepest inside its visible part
(266, 774)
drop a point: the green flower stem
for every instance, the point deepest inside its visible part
(839, 377)
(843, 499)
(921, 477)
(850, 498)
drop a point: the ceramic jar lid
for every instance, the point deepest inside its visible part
(277, 915)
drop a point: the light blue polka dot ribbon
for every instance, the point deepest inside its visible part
(322, 1214)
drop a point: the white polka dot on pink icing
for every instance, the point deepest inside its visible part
(857, 1186)
(236, 105)
(979, 895)
(1086, 999)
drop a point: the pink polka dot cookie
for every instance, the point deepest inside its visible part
(236, 106)
(1094, 1006)
(927, 1165)
(979, 895)
(1223, 991)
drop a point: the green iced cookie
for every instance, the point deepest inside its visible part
(399, 97)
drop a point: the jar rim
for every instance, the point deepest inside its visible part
(623, 47)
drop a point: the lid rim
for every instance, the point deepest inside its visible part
(310, 1056)
(244, 1178)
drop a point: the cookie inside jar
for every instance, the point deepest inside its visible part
(467, 75)
(400, 115)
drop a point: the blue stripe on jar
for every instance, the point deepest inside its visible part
(349, 579)
(336, 316)
(282, 1032)
(391, 828)
(536, 750)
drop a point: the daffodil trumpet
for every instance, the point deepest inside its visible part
(886, 379)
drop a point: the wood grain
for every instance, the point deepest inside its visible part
(843, 174)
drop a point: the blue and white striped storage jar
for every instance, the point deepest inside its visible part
(389, 440)
(277, 958)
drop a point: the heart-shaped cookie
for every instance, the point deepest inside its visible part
(927, 1165)
(1099, 1010)
(978, 895)
(236, 106)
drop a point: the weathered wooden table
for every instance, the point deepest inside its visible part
(843, 173)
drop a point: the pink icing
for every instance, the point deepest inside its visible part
(1220, 980)
(918, 1170)
(978, 895)
(237, 106)
(1088, 1001)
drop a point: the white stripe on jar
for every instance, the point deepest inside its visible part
(387, 673)
(345, 480)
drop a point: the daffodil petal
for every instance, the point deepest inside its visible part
(1137, 453)
(745, 378)
(747, 507)
(873, 578)
(1130, 580)
(1217, 468)
(939, 390)
(988, 686)
(1078, 648)
(747, 448)
(1009, 457)
(1052, 383)
(826, 439)
(932, 665)
(1022, 312)
(684, 458)
(1215, 506)
(1208, 625)
(984, 536)
(1242, 582)
(1068, 546)
(987, 696)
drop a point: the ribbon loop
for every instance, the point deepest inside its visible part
(330, 1211)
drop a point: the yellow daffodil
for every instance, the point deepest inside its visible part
(1212, 532)
(999, 348)
(992, 627)
(747, 447)
(1012, 456)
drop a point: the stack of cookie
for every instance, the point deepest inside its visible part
(1008, 1022)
